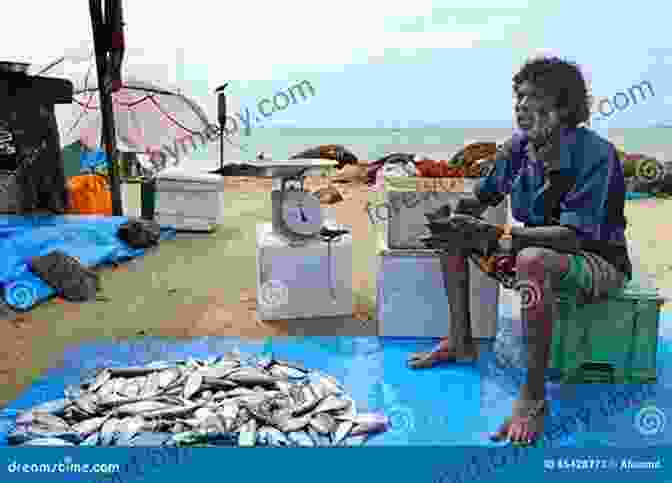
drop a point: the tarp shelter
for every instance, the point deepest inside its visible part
(30, 150)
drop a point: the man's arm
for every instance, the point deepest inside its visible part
(560, 238)
(487, 193)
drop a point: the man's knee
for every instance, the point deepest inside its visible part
(532, 260)
(539, 261)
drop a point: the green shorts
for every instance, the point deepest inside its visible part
(592, 275)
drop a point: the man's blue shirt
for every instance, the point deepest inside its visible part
(593, 207)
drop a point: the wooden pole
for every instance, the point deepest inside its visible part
(101, 39)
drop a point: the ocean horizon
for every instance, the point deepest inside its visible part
(373, 143)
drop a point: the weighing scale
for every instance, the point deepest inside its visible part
(304, 268)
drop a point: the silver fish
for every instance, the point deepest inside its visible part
(219, 372)
(169, 376)
(252, 377)
(193, 385)
(89, 426)
(47, 442)
(272, 437)
(102, 377)
(108, 433)
(285, 372)
(92, 440)
(357, 440)
(370, 423)
(300, 438)
(136, 408)
(323, 423)
(332, 403)
(342, 431)
(248, 434)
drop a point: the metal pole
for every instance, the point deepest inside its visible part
(101, 41)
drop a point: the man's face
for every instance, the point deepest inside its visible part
(536, 112)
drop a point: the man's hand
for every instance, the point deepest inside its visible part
(465, 232)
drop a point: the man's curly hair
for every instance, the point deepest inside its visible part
(561, 79)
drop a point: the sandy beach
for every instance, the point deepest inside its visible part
(181, 289)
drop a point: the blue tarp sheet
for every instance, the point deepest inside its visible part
(92, 239)
(450, 406)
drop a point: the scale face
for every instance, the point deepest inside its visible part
(301, 213)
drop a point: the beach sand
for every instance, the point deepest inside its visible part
(206, 285)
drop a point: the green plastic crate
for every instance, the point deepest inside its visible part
(614, 341)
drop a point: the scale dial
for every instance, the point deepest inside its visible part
(301, 213)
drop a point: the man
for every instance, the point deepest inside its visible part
(573, 234)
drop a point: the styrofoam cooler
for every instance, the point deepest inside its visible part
(405, 222)
(303, 281)
(407, 267)
(189, 201)
(412, 301)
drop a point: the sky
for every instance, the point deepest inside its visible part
(371, 64)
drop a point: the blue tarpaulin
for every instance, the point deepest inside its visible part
(455, 405)
(91, 239)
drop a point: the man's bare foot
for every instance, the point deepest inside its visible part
(443, 353)
(526, 425)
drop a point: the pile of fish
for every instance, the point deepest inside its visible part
(223, 401)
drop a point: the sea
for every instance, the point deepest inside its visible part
(373, 143)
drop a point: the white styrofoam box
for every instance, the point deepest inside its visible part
(406, 221)
(296, 282)
(189, 200)
(131, 199)
(412, 302)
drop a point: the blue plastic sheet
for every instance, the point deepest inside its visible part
(455, 405)
(91, 239)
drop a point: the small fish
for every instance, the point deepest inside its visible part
(286, 372)
(130, 371)
(284, 387)
(300, 438)
(218, 383)
(357, 440)
(102, 377)
(89, 426)
(248, 434)
(152, 439)
(136, 408)
(342, 431)
(292, 364)
(169, 376)
(272, 437)
(370, 423)
(91, 440)
(332, 403)
(47, 442)
(228, 413)
(127, 429)
(88, 403)
(323, 423)
(252, 377)
(218, 372)
(193, 385)
(152, 385)
(290, 425)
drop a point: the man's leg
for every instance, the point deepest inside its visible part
(539, 271)
(459, 344)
